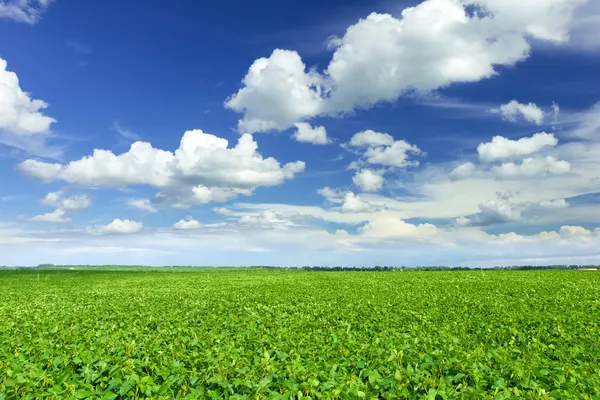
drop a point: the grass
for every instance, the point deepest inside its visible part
(258, 333)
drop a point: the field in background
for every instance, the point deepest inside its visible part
(254, 333)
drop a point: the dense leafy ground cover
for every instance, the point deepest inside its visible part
(281, 334)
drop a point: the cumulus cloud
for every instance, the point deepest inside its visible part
(305, 133)
(121, 226)
(187, 225)
(503, 210)
(381, 149)
(203, 169)
(513, 109)
(501, 148)
(388, 227)
(370, 138)
(57, 199)
(27, 11)
(368, 180)
(278, 92)
(222, 211)
(382, 57)
(19, 114)
(332, 195)
(56, 216)
(532, 167)
(354, 204)
(463, 171)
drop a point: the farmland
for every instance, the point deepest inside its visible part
(288, 334)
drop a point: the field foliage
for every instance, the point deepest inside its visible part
(241, 334)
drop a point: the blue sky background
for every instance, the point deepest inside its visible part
(115, 72)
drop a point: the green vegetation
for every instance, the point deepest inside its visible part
(263, 333)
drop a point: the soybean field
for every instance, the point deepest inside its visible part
(270, 334)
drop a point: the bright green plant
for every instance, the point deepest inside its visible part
(237, 334)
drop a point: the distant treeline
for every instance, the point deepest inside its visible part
(314, 268)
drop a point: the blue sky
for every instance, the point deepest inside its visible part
(455, 132)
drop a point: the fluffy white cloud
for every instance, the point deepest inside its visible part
(504, 209)
(19, 114)
(574, 230)
(278, 92)
(307, 134)
(222, 211)
(368, 180)
(532, 167)
(54, 217)
(354, 204)
(28, 11)
(530, 112)
(203, 169)
(395, 155)
(381, 149)
(332, 195)
(381, 57)
(370, 138)
(384, 226)
(187, 225)
(464, 170)
(142, 204)
(57, 199)
(121, 226)
(501, 148)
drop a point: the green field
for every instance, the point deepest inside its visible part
(288, 334)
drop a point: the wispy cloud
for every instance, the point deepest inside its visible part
(80, 50)
(125, 133)
(27, 11)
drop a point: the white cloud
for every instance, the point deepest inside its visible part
(530, 112)
(121, 226)
(305, 133)
(368, 180)
(222, 211)
(395, 155)
(381, 149)
(19, 114)
(142, 204)
(574, 230)
(354, 204)
(464, 170)
(56, 216)
(203, 169)
(370, 138)
(332, 195)
(27, 11)
(532, 167)
(125, 133)
(388, 227)
(504, 209)
(381, 57)
(57, 199)
(267, 219)
(501, 148)
(186, 225)
(589, 124)
(495, 211)
(277, 92)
